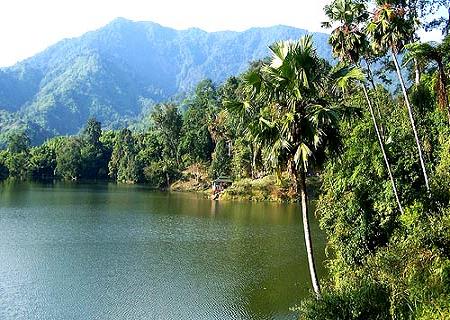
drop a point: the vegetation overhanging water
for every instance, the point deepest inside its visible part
(383, 155)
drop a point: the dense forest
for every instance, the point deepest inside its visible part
(118, 72)
(384, 201)
(383, 156)
(178, 136)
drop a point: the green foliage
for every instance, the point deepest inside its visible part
(124, 165)
(42, 162)
(291, 108)
(430, 53)
(159, 170)
(92, 132)
(18, 142)
(17, 164)
(196, 141)
(349, 43)
(92, 152)
(365, 302)
(390, 28)
(3, 169)
(160, 174)
(112, 73)
(69, 160)
(150, 147)
(370, 244)
(284, 116)
(167, 123)
(220, 164)
(16, 161)
(415, 266)
(357, 206)
(385, 264)
(267, 188)
(241, 161)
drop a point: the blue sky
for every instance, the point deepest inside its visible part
(29, 26)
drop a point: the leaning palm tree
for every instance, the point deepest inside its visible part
(426, 53)
(390, 30)
(294, 112)
(349, 44)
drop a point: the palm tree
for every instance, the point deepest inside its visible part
(294, 112)
(426, 53)
(390, 30)
(349, 43)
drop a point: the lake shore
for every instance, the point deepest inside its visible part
(266, 189)
(68, 247)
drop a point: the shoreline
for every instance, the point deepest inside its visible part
(265, 189)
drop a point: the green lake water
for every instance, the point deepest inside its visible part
(103, 251)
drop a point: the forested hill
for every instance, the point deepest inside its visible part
(117, 71)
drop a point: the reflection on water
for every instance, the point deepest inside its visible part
(102, 251)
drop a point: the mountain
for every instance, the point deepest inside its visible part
(117, 71)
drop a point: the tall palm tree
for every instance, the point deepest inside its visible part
(390, 30)
(349, 44)
(427, 53)
(294, 112)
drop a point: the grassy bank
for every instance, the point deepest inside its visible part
(267, 188)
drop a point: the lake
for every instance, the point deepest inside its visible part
(107, 251)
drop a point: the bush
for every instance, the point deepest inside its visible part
(160, 174)
(369, 301)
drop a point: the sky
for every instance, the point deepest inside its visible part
(29, 26)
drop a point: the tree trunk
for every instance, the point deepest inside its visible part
(167, 180)
(416, 72)
(446, 30)
(292, 171)
(253, 160)
(377, 105)
(306, 232)
(411, 118)
(380, 141)
(442, 89)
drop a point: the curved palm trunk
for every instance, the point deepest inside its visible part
(411, 118)
(292, 171)
(416, 72)
(377, 105)
(254, 152)
(383, 151)
(308, 243)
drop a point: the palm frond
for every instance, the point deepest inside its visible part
(302, 154)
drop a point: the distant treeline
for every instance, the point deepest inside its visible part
(383, 157)
(194, 132)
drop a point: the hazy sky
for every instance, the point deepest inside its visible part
(29, 26)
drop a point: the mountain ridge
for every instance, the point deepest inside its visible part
(115, 72)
